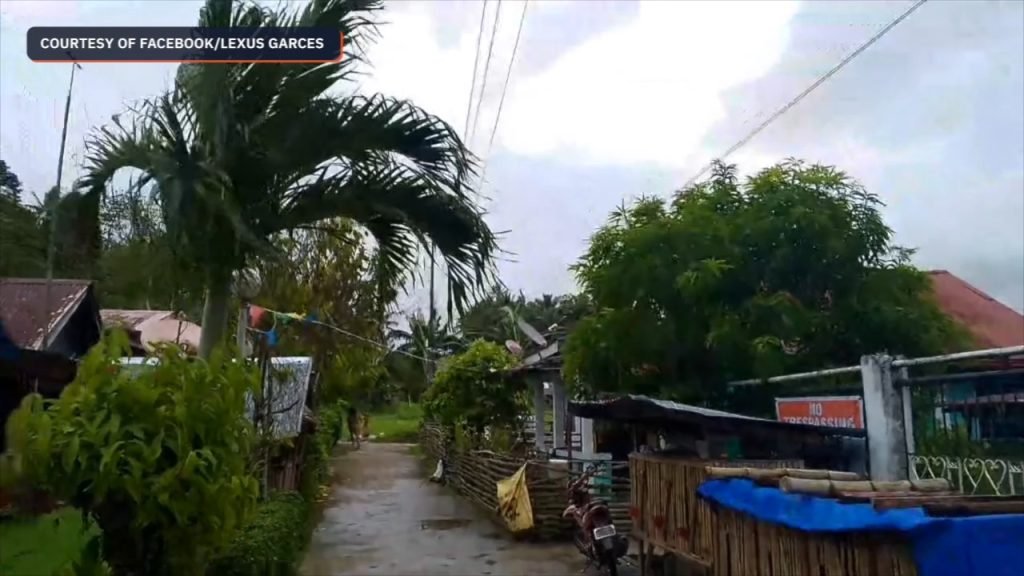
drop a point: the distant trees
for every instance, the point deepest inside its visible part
(494, 317)
(242, 153)
(10, 184)
(791, 269)
(22, 238)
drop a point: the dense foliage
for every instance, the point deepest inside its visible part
(330, 272)
(270, 543)
(316, 463)
(471, 392)
(158, 458)
(791, 269)
(496, 316)
(241, 153)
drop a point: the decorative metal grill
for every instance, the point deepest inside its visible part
(981, 476)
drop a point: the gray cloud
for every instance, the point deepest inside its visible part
(931, 118)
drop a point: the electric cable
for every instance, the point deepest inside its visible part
(778, 113)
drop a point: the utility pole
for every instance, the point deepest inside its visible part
(429, 367)
(51, 248)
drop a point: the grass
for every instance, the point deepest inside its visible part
(38, 546)
(402, 424)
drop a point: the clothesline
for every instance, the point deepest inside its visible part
(271, 332)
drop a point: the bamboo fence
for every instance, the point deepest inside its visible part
(669, 514)
(475, 473)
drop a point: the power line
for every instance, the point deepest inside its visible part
(487, 66)
(504, 90)
(476, 62)
(807, 91)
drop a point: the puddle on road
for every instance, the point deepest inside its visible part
(444, 523)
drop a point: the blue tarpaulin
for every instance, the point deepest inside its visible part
(972, 546)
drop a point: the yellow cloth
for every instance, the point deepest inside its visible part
(514, 501)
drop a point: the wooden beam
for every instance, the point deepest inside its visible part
(890, 501)
(1014, 506)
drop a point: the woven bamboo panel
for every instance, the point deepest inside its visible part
(668, 512)
(475, 474)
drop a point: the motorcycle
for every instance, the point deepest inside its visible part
(594, 530)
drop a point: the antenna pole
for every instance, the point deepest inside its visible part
(51, 248)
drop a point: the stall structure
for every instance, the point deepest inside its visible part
(674, 443)
(781, 522)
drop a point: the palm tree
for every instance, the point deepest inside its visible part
(241, 153)
(425, 339)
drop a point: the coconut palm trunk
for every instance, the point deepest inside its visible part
(239, 155)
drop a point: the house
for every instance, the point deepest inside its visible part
(986, 396)
(991, 323)
(147, 328)
(60, 316)
(45, 327)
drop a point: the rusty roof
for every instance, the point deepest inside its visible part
(991, 323)
(23, 307)
(131, 319)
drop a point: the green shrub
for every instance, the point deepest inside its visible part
(332, 420)
(271, 543)
(316, 470)
(158, 458)
(470, 391)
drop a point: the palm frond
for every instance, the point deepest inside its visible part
(364, 129)
(402, 208)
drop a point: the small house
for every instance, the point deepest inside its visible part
(46, 327)
(148, 328)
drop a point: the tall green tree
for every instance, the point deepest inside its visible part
(791, 269)
(10, 184)
(330, 272)
(22, 238)
(137, 267)
(496, 316)
(241, 153)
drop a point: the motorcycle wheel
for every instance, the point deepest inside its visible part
(613, 567)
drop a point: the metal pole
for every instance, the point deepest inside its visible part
(800, 376)
(428, 353)
(972, 355)
(51, 248)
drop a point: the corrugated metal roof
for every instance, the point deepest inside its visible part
(131, 319)
(155, 326)
(289, 394)
(637, 408)
(23, 307)
(991, 323)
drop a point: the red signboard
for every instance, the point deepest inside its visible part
(831, 411)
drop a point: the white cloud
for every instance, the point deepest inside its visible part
(645, 92)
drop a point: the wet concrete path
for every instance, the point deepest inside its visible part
(385, 517)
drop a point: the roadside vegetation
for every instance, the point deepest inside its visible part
(331, 202)
(399, 424)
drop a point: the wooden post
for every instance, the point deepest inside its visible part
(643, 556)
(559, 407)
(538, 413)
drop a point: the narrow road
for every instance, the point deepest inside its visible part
(384, 517)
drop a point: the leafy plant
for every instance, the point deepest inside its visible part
(471, 391)
(241, 154)
(271, 543)
(316, 469)
(158, 458)
(793, 269)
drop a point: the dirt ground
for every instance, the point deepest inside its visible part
(384, 517)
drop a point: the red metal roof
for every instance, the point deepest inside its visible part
(991, 323)
(23, 307)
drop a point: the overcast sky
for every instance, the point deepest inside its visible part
(611, 100)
